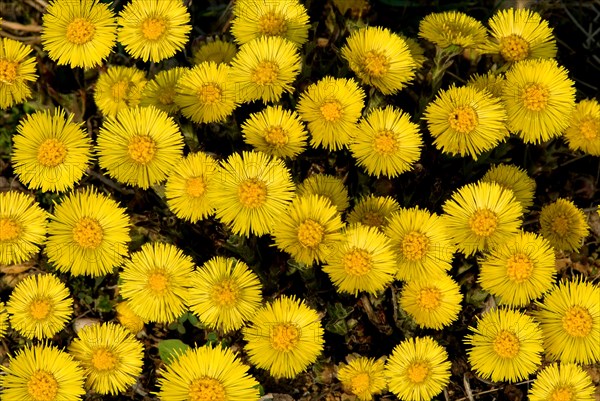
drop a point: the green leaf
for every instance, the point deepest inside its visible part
(170, 350)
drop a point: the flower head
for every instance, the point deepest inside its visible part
(563, 382)
(515, 179)
(88, 234)
(583, 132)
(156, 281)
(331, 108)
(506, 345)
(225, 293)
(22, 227)
(139, 146)
(80, 34)
(216, 50)
(491, 81)
(16, 70)
(416, 51)
(466, 121)
(128, 318)
(50, 152)
(363, 377)
(373, 211)
(40, 306)
(327, 186)
(452, 28)
(570, 321)
(207, 373)
(154, 30)
(3, 320)
(284, 336)
(418, 369)
(111, 356)
(119, 88)
(160, 91)
(480, 216)
(380, 58)
(563, 224)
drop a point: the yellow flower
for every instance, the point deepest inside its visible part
(139, 146)
(216, 50)
(50, 151)
(539, 97)
(80, 34)
(155, 282)
(310, 229)
(481, 216)
(416, 51)
(88, 234)
(452, 28)
(506, 345)
(466, 121)
(515, 179)
(418, 369)
(207, 373)
(562, 383)
(119, 88)
(3, 320)
(380, 58)
(373, 211)
(388, 143)
(276, 132)
(40, 306)
(188, 187)
(251, 192)
(111, 356)
(518, 270)
(563, 224)
(363, 261)
(583, 132)
(285, 336)
(423, 246)
(224, 293)
(205, 93)
(42, 373)
(264, 68)
(154, 30)
(22, 227)
(160, 91)
(491, 81)
(16, 70)
(331, 108)
(363, 377)
(519, 34)
(327, 186)
(570, 321)
(433, 302)
(253, 19)
(128, 319)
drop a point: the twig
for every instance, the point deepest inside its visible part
(468, 388)
(24, 39)
(15, 26)
(35, 4)
(382, 327)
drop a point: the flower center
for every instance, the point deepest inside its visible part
(252, 193)
(375, 64)
(415, 245)
(9, 229)
(153, 28)
(310, 233)
(357, 262)
(331, 110)
(429, 298)
(463, 119)
(417, 372)
(385, 142)
(8, 71)
(51, 153)
(141, 149)
(590, 128)
(225, 293)
(195, 187)
(80, 31)
(209, 94)
(577, 321)
(483, 222)
(167, 96)
(506, 344)
(535, 97)
(39, 309)
(42, 386)
(88, 233)
(373, 219)
(266, 73)
(207, 389)
(562, 394)
(119, 90)
(519, 268)
(560, 225)
(284, 337)
(276, 136)
(514, 48)
(158, 283)
(272, 24)
(360, 383)
(103, 359)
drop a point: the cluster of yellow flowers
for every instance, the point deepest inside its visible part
(366, 249)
